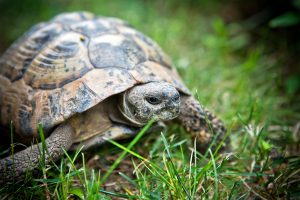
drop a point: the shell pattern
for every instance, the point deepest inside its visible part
(72, 63)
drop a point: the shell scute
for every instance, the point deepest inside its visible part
(93, 28)
(74, 17)
(118, 80)
(59, 63)
(104, 50)
(18, 57)
(152, 50)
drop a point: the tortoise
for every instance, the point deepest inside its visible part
(86, 78)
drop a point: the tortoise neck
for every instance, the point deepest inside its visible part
(125, 111)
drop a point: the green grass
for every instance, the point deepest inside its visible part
(241, 79)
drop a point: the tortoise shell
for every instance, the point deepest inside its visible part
(71, 63)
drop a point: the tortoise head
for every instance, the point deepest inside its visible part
(157, 100)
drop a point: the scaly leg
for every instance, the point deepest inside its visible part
(202, 124)
(15, 167)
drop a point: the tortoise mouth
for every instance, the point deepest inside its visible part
(168, 115)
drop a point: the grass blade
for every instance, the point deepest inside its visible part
(173, 167)
(123, 154)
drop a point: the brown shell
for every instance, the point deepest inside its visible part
(70, 64)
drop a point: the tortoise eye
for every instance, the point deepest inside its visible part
(153, 100)
(176, 98)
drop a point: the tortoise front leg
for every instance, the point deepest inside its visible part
(202, 124)
(15, 167)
